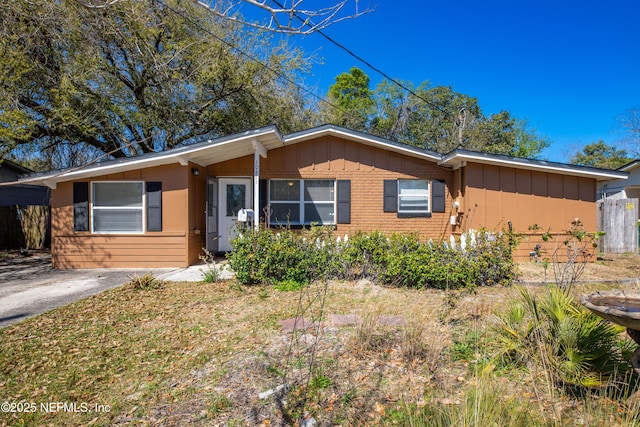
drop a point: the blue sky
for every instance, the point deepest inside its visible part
(568, 67)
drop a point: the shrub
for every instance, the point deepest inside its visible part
(145, 282)
(273, 256)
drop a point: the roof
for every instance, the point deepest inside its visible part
(459, 158)
(15, 166)
(201, 153)
(263, 139)
(631, 165)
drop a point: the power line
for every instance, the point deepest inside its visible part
(251, 57)
(364, 61)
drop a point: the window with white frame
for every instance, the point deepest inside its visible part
(302, 202)
(117, 207)
(413, 196)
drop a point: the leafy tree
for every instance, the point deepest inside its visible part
(352, 100)
(600, 155)
(137, 77)
(436, 118)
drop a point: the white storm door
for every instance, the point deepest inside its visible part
(212, 215)
(233, 194)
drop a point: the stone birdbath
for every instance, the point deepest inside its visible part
(622, 308)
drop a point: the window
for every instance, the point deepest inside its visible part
(413, 196)
(298, 202)
(117, 207)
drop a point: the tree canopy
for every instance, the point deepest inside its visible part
(138, 77)
(600, 155)
(88, 79)
(436, 118)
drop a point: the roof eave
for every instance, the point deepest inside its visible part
(456, 159)
(181, 155)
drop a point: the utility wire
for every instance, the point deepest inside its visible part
(364, 61)
(251, 57)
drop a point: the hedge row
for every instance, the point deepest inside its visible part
(274, 256)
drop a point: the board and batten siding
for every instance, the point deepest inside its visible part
(151, 249)
(494, 195)
(366, 167)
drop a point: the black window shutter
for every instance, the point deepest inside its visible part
(344, 202)
(81, 206)
(154, 206)
(390, 195)
(437, 196)
(262, 202)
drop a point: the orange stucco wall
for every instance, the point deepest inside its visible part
(494, 195)
(167, 248)
(367, 168)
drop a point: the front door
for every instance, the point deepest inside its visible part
(233, 194)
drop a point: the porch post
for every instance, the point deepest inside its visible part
(258, 150)
(256, 190)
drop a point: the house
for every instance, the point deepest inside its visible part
(162, 209)
(21, 195)
(622, 188)
(618, 212)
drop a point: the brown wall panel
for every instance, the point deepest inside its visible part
(523, 181)
(474, 175)
(508, 180)
(121, 251)
(71, 249)
(352, 154)
(587, 190)
(571, 187)
(366, 157)
(539, 183)
(555, 186)
(545, 205)
(491, 177)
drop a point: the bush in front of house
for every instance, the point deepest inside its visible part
(272, 256)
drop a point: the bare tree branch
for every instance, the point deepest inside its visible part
(288, 17)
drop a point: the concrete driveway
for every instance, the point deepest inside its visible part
(30, 286)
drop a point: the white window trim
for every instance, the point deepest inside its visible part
(302, 202)
(141, 208)
(423, 211)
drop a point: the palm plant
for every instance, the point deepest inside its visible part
(577, 347)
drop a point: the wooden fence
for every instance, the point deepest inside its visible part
(33, 232)
(618, 218)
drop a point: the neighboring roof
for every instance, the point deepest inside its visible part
(267, 138)
(15, 166)
(458, 158)
(631, 165)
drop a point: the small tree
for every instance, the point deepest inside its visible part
(570, 256)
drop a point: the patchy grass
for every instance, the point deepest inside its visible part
(201, 354)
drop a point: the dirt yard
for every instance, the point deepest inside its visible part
(607, 268)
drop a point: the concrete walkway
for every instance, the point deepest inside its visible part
(30, 286)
